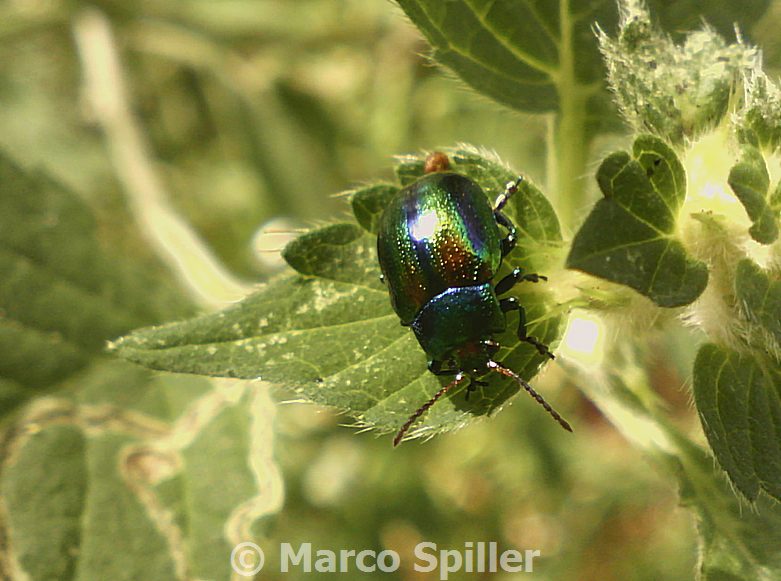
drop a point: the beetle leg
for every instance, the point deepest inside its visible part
(514, 278)
(509, 304)
(512, 304)
(473, 385)
(510, 189)
(508, 242)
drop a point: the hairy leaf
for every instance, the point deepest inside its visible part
(750, 181)
(759, 297)
(758, 122)
(629, 236)
(527, 54)
(339, 252)
(508, 50)
(673, 90)
(736, 542)
(738, 397)
(329, 334)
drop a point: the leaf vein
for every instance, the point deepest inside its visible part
(521, 55)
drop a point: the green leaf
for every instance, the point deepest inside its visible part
(131, 465)
(409, 168)
(369, 202)
(503, 49)
(71, 489)
(329, 334)
(758, 295)
(736, 542)
(337, 252)
(529, 55)
(526, 55)
(629, 236)
(61, 295)
(750, 181)
(738, 398)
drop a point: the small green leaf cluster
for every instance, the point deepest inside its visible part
(702, 232)
(759, 121)
(673, 90)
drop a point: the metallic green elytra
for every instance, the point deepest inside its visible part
(440, 244)
(437, 233)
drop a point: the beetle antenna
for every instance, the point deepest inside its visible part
(530, 390)
(424, 408)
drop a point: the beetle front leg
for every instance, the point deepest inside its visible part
(512, 304)
(514, 278)
(509, 241)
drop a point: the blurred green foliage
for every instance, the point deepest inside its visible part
(256, 111)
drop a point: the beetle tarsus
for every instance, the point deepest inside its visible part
(511, 304)
(515, 277)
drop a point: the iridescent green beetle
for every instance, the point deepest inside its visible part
(439, 246)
